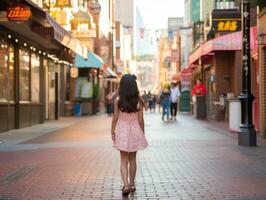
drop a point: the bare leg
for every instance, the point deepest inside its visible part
(124, 167)
(132, 167)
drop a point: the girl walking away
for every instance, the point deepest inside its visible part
(127, 130)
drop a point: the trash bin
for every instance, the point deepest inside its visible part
(77, 109)
(234, 115)
(199, 107)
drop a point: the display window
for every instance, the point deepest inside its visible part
(24, 76)
(35, 78)
(11, 76)
(3, 71)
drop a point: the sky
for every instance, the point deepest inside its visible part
(156, 12)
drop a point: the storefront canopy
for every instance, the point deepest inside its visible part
(229, 42)
(108, 73)
(93, 61)
(66, 38)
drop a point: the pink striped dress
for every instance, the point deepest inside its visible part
(129, 135)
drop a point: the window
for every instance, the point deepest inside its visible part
(3, 71)
(35, 78)
(24, 75)
(225, 4)
(11, 74)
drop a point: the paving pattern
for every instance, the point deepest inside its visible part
(186, 160)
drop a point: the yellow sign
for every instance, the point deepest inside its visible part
(228, 25)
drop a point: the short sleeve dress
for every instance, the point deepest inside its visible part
(129, 135)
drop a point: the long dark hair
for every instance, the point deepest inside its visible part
(128, 94)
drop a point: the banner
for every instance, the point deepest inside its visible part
(174, 55)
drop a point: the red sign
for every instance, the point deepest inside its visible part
(18, 13)
(142, 31)
(174, 55)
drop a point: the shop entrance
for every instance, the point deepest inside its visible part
(209, 79)
(50, 90)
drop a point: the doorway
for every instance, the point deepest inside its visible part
(209, 82)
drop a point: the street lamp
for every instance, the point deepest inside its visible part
(247, 134)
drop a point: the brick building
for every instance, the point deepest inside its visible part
(262, 70)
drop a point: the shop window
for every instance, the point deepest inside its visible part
(24, 76)
(11, 74)
(35, 78)
(52, 69)
(3, 71)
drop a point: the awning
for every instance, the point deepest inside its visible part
(229, 42)
(186, 72)
(66, 38)
(108, 73)
(93, 61)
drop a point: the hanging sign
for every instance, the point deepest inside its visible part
(174, 55)
(94, 7)
(74, 72)
(229, 25)
(18, 13)
(142, 31)
(226, 21)
(63, 4)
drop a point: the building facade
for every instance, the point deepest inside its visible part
(34, 63)
(262, 71)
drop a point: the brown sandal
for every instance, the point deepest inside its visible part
(125, 191)
(132, 188)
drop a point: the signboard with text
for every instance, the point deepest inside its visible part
(174, 55)
(226, 25)
(226, 20)
(18, 13)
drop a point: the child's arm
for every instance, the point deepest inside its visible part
(141, 119)
(115, 119)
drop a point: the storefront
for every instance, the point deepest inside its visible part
(219, 65)
(87, 86)
(262, 71)
(33, 66)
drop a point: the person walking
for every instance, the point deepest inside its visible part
(175, 97)
(165, 101)
(150, 100)
(145, 99)
(109, 103)
(127, 130)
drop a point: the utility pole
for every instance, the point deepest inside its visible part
(247, 134)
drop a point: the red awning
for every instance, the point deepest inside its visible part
(186, 72)
(229, 42)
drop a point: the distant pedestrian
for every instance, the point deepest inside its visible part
(199, 89)
(154, 101)
(150, 100)
(110, 103)
(127, 130)
(165, 101)
(175, 97)
(145, 98)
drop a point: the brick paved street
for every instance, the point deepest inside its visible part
(73, 159)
